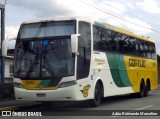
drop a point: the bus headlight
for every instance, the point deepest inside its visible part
(67, 84)
(18, 85)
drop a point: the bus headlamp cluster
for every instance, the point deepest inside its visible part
(67, 84)
(18, 85)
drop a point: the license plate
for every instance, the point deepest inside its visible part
(41, 95)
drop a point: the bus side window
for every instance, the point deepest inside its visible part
(100, 37)
(137, 47)
(123, 44)
(149, 51)
(132, 46)
(153, 51)
(84, 49)
(141, 50)
(95, 38)
(112, 41)
(103, 40)
(120, 44)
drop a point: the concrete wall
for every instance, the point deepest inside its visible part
(8, 75)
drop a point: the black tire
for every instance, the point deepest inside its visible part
(146, 91)
(97, 96)
(142, 90)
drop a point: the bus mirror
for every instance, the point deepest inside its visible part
(5, 47)
(74, 43)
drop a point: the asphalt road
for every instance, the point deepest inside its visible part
(125, 102)
(123, 105)
(109, 106)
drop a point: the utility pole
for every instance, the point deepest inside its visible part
(2, 36)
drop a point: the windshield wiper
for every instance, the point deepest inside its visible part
(36, 58)
(33, 64)
(48, 67)
(44, 56)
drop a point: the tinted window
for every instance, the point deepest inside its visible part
(153, 51)
(111, 41)
(43, 29)
(123, 44)
(84, 49)
(100, 39)
(104, 40)
(133, 47)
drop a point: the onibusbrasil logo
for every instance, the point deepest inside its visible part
(21, 114)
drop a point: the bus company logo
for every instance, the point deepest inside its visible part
(137, 63)
(85, 90)
(100, 61)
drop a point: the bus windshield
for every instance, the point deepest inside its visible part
(43, 29)
(43, 53)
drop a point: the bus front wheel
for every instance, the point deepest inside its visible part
(147, 87)
(97, 95)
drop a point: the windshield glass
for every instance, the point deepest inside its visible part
(43, 29)
(43, 53)
(47, 58)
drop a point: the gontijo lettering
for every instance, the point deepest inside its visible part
(99, 60)
(137, 63)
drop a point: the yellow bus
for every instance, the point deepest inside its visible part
(75, 59)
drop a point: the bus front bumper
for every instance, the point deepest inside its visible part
(61, 94)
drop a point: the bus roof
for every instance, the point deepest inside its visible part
(58, 19)
(123, 31)
(104, 25)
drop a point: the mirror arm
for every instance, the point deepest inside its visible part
(76, 53)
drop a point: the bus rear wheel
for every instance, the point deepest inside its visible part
(142, 90)
(97, 95)
(147, 87)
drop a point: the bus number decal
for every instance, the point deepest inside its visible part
(30, 82)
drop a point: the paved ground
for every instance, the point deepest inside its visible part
(116, 104)
(12, 104)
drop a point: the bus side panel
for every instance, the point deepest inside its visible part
(141, 68)
(110, 68)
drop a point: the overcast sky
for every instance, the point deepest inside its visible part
(144, 13)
